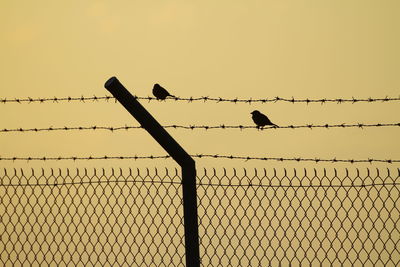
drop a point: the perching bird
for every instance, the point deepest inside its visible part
(160, 93)
(261, 120)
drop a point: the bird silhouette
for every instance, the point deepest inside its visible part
(261, 120)
(160, 92)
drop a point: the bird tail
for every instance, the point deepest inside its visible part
(275, 126)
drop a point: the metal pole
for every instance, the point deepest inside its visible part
(186, 162)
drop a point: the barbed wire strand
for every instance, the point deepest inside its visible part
(191, 99)
(195, 127)
(215, 156)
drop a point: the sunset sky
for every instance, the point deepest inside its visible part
(254, 49)
(229, 49)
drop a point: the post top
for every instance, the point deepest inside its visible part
(114, 86)
(110, 81)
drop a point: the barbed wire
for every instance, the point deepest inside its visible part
(55, 99)
(298, 159)
(195, 127)
(107, 98)
(215, 156)
(75, 158)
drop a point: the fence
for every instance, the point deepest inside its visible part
(246, 218)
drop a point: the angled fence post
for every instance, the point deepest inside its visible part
(178, 154)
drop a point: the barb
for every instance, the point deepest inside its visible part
(191, 99)
(196, 127)
(215, 156)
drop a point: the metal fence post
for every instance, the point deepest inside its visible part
(186, 162)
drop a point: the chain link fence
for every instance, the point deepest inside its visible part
(246, 218)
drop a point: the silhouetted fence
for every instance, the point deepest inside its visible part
(246, 218)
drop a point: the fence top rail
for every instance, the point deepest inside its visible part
(115, 171)
(261, 177)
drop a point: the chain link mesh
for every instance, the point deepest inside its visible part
(246, 218)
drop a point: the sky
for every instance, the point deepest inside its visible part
(245, 49)
(252, 49)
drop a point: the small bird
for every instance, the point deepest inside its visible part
(261, 120)
(160, 92)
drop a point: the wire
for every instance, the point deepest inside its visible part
(298, 159)
(199, 184)
(74, 158)
(195, 127)
(202, 99)
(56, 99)
(297, 186)
(91, 182)
(215, 156)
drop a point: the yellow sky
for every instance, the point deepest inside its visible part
(258, 49)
